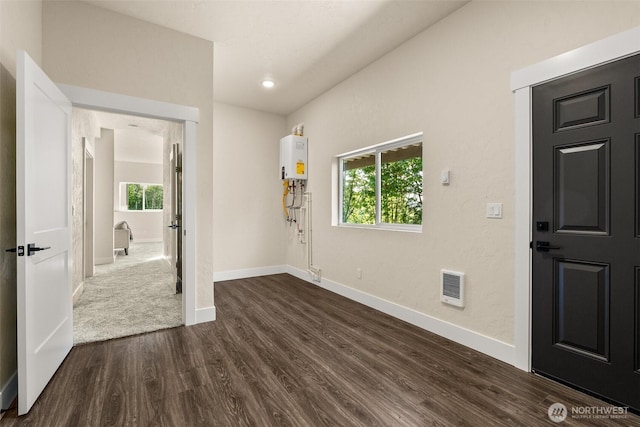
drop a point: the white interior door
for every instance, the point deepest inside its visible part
(43, 176)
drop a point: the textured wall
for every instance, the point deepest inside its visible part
(248, 229)
(452, 83)
(84, 128)
(87, 46)
(20, 28)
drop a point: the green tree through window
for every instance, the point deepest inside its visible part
(144, 197)
(153, 197)
(401, 193)
(134, 197)
(359, 195)
(396, 190)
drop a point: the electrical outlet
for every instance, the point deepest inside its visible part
(359, 273)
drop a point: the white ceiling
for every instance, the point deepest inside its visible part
(306, 46)
(138, 146)
(139, 139)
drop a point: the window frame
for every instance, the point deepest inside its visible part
(377, 150)
(123, 191)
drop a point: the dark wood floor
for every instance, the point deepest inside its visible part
(284, 352)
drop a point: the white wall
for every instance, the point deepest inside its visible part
(20, 28)
(104, 220)
(145, 226)
(452, 83)
(249, 233)
(87, 46)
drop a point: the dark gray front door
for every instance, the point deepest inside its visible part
(586, 231)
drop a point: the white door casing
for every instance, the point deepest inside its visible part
(43, 211)
(116, 103)
(598, 53)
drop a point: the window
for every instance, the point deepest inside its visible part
(381, 186)
(141, 197)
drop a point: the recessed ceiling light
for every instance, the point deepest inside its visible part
(268, 83)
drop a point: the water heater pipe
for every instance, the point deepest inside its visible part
(285, 184)
(315, 272)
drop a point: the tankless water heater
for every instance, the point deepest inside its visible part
(293, 157)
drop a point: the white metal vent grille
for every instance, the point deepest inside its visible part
(452, 287)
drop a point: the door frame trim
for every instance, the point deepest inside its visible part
(607, 50)
(188, 116)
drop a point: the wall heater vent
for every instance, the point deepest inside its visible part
(452, 287)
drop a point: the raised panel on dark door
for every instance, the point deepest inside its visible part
(637, 322)
(637, 96)
(586, 157)
(582, 187)
(581, 308)
(637, 181)
(581, 109)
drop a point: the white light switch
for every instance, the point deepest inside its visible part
(445, 177)
(494, 210)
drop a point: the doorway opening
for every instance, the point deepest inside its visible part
(188, 117)
(131, 279)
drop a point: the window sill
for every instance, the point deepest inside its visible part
(407, 228)
(142, 211)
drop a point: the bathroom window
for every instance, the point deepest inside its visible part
(381, 186)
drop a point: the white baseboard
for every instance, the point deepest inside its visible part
(249, 272)
(9, 391)
(151, 240)
(482, 343)
(105, 260)
(78, 292)
(207, 314)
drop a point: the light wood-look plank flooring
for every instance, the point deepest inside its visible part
(286, 353)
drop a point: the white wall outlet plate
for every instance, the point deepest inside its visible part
(494, 210)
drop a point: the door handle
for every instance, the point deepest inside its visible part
(545, 246)
(173, 226)
(31, 249)
(19, 250)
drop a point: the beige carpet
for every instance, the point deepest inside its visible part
(135, 294)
